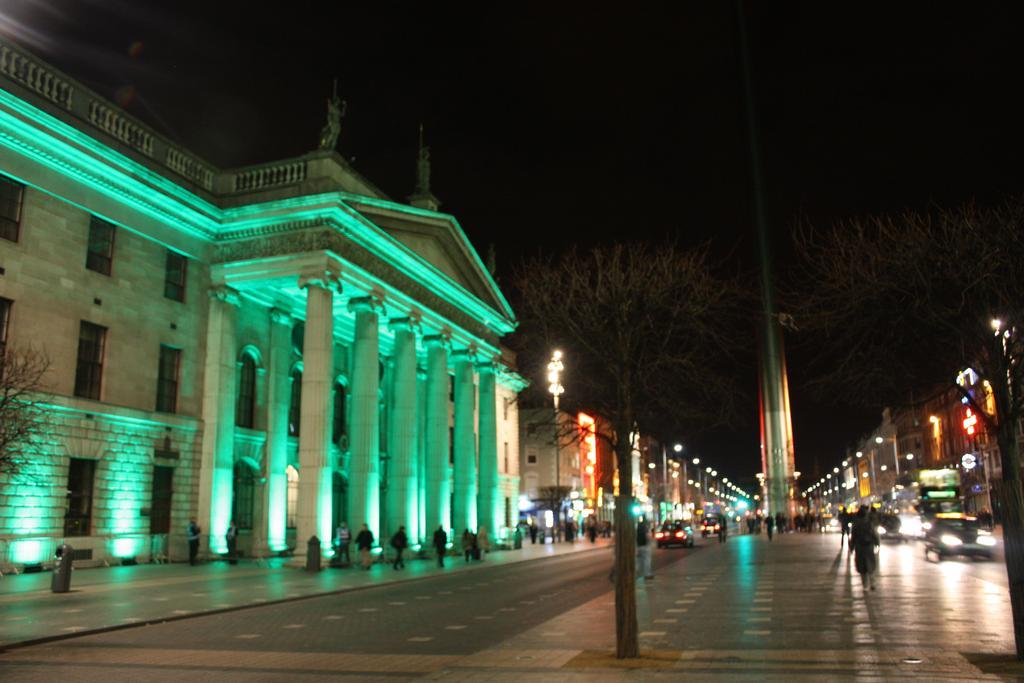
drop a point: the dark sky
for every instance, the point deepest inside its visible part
(554, 124)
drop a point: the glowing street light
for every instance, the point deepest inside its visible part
(555, 388)
(678, 448)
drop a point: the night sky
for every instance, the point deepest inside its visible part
(558, 124)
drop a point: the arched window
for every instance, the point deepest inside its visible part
(245, 409)
(295, 406)
(293, 496)
(339, 426)
(244, 491)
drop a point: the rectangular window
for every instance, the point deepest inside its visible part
(451, 445)
(5, 318)
(11, 195)
(89, 373)
(78, 512)
(508, 511)
(532, 459)
(100, 255)
(167, 379)
(174, 276)
(160, 500)
(505, 471)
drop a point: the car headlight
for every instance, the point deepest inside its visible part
(986, 540)
(911, 526)
(881, 531)
(926, 525)
(950, 539)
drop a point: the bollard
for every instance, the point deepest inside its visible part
(313, 555)
(60, 582)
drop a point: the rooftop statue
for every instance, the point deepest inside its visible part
(335, 111)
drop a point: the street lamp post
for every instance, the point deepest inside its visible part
(556, 389)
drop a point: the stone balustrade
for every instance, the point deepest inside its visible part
(269, 175)
(35, 76)
(113, 122)
(191, 168)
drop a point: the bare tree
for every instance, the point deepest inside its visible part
(21, 413)
(644, 332)
(905, 302)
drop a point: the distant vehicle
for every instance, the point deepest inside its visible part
(829, 523)
(890, 527)
(711, 525)
(674, 533)
(954, 534)
(939, 492)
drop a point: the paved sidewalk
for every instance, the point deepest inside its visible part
(108, 598)
(792, 609)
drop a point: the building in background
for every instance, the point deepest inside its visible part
(280, 345)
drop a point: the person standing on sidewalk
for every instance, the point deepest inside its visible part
(533, 533)
(232, 539)
(468, 543)
(769, 525)
(483, 542)
(399, 542)
(192, 532)
(643, 550)
(342, 541)
(440, 545)
(364, 542)
(591, 529)
(723, 529)
(865, 541)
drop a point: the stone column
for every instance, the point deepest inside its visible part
(278, 398)
(487, 510)
(464, 502)
(314, 514)
(424, 531)
(438, 487)
(216, 475)
(403, 482)
(364, 429)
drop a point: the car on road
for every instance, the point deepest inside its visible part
(711, 525)
(954, 534)
(674, 533)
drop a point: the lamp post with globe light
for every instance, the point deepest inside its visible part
(555, 368)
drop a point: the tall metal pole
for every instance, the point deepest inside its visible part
(776, 422)
(555, 368)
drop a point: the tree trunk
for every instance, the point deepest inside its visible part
(627, 643)
(1011, 498)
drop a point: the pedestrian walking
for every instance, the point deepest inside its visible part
(865, 541)
(750, 525)
(591, 530)
(643, 550)
(468, 544)
(232, 540)
(769, 525)
(723, 531)
(399, 542)
(364, 542)
(533, 533)
(193, 533)
(844, 526)
(780, 522)
(483, 543)
(440, 542)
(342, 541)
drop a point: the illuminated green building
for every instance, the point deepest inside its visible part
(281, 344)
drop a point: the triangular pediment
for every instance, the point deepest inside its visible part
(439, 241)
